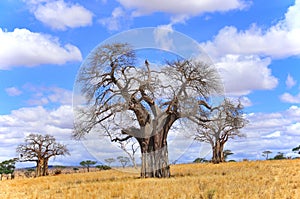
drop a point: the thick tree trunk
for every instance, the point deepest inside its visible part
(222, 152)
(155, 159)
(152, 135)
(45, 167)
(218, 155)
(39, 167)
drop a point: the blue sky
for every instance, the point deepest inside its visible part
(255, 44)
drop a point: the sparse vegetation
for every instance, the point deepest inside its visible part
(8, 167)
(103, 167)
(279, 156)
(235, 180)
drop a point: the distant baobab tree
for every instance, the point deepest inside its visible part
(40, 148)
(223, 123)
(125, 100)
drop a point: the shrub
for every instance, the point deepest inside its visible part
(103, 167)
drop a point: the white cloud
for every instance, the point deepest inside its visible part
(294, 129)
(25, 48)
(180, 11)
(287, 97)
(178, 7)
(13, 91)
(15, 126)
(244, 56)
(41, 95)
(118, 19)
(242, 74)
(162, 37)
(290, 82)
(60, 15)
(276, 134)
(278, 41)
(294, 112)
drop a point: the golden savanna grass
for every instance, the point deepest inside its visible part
(259, 179)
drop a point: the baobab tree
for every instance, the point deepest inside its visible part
(223, 122)
(124, 99)
(40, 148)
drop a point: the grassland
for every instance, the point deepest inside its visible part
(259, 179)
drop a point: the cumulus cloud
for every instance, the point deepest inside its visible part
(60, 15)
(25, 48)
(13, 91)
(294, 129)
(118, 19)
(245, 55)
(42, 95)
(278, 132)
(290, 82)
(278, 41)
(289, 98)
(293, 112)
(180, 11)
(242, 74)
(14, 127)
(162, 37)
(177, 7)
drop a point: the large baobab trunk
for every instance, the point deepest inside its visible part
(45, 167)
(39, 167)
(218, 155)
(155, 160)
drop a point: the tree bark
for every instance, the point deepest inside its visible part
(218, 155)
(45, 167)
(39, 167)
(154, 150)
(155, 161)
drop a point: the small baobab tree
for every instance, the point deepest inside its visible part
(40, 148)
(125, 99)
(223, 122)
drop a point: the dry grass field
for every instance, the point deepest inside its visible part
(259, 179)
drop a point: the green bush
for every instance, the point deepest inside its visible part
(103, 167)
